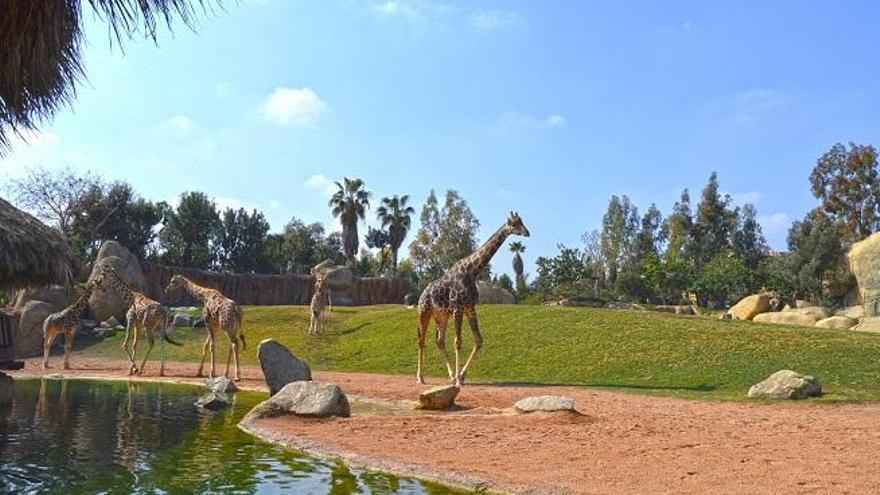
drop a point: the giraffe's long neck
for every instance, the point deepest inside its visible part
(483, 255)
(124, 290)
(196, 290)
(82, 302)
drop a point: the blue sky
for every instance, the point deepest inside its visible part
(547, 108)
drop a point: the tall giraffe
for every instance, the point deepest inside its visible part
(456, 293)
(144, 314)
(221, 313)
(65, 322)
(319, 300)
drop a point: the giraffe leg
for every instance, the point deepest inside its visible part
(478, 341)
(213, 355)
(129, 324)
(150, 342)
(457, 316)
(441, 319)
(48, 340)
(161, 356)
(204, 354)
(424, 321)
(68, 346)
(235, 352)
(229, 354)
(135, 330)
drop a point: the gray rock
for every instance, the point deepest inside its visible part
(103, 332)
(7, 387)
(489, 294)
(58, 296)
(107, 303)
(88, 324)
(111, 322)
(220, 385)
(304, 399)
(28, 337)
(442, 397)
(280, 366)
(786, 384)
(213, 401)
(199, 322)
(545, 403)
(620, 305)
(181, 320)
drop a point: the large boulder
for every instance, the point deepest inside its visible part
(340, 282)
(59, 297)
(280, 366)
(442, 397)
(786, 384)
(787, 318)
(489, 294)
(837, 322)
(545, 403)
(309, 399)
(751, 306)
(856, 312)
(28, 336)
(107, 303)
(864, 262)
(819, 312)
(7, 389)
(871, 325)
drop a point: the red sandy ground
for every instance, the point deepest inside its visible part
(620, 444)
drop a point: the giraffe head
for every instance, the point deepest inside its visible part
(177, 282)
(516, 226)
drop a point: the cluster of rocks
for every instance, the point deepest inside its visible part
(761, 308)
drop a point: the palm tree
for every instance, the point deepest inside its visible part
(41, 59)
(395, 216)
(516, 247)
(350, 204)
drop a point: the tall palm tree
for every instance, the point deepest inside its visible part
(350, 204)
(516, 247)
(40, 50)
(395, 215)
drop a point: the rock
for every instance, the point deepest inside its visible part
(104, 332)
(111, 322)
(340, 280)
(545, 403)
(442, 397)
(855, 312)
(864, 262)
(199, 322)
(213, 401)
(220, 385)
(181, 320)
(304, 399)
(819, 312)
(7, 389)
(28, 336)
(280, 366)
(59, 297)
(751, 306)
(786, 384)
(620, 305)
(489, 294)
(838, 322)
(787, 318)
(88, 324)
(107, 303)
(677, 310)
(871, 325)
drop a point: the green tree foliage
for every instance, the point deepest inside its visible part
(816, 248)
(302, 246)
(565, 275)
(714, 225)
(396, 218)
(377, 238)
(350, 204)
(503, 281)
(517, 248)
(446, 235)
(748, 239)
(846, 181)
(678, 228)
(189, 236)
(651, 236)
(242, 241)
(620, 227)
(724, 278)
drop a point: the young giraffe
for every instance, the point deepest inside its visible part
(317, 306)
(221, 313)
(144, 314)
(65, 322)
(456, 293)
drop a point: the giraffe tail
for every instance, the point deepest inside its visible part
(165, 333)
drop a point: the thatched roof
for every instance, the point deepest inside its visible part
(40, 57)
(31, 254)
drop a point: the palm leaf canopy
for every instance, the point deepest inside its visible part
(350, 201)
(31, 253)
(40, 50)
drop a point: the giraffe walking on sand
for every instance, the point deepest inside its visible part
(455, 294)
(221, 314)
(65, 322)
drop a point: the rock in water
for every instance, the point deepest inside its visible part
(786, 384)
(304, 399)
(7, 387)
(220, 385)
(545, 403)
(438, 397)
(280, 366)
(213, 401)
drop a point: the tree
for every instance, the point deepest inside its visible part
(395, 216)
(677, 229)
(815, 247)
(650, 236)
(517, 248)
(445, 236)
(723, 278)
(190, 232)
(564, 275)
(620, 227)
(714, 225)
(748, 239)
(306, 245)
(350, 204)
(243, 241)
(503, 281)
(377, 238)
(51, 195)
(847, 183)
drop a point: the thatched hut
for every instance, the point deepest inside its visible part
(31, 254)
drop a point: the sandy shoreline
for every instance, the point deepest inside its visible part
(621, 444)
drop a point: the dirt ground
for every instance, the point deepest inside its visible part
(619, 444)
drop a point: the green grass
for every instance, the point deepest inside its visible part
(637, 351)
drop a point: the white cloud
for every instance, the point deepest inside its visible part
(293, 107)
(555, 120)
(319, 182)
(33, 148)
(752, 105)
(494, 20)
(180, 123)
(775, 223)
(512, 120)
(741, 198)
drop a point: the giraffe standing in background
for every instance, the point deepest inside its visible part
(65, 322)
(317, 306)
(221, 313)
(455, 293)
(144, 314)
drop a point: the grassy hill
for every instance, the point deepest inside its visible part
(645, 352)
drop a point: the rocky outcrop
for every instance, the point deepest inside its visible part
(787, 318)
(309, 399)
(855, 312)
(280, 366)
(27, 337)
(107, 303)
(489, 294)
(864, 262)
(749, 307)
(817, 311)
(786, 384)
(871, 325)
(59, 297)
(442, 397)
(545, 403)
(837, 322)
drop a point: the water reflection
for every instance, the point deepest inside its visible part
(71, 436)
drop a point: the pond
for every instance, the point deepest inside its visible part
(85, 436)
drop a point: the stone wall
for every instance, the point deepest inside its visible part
(268, 290)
